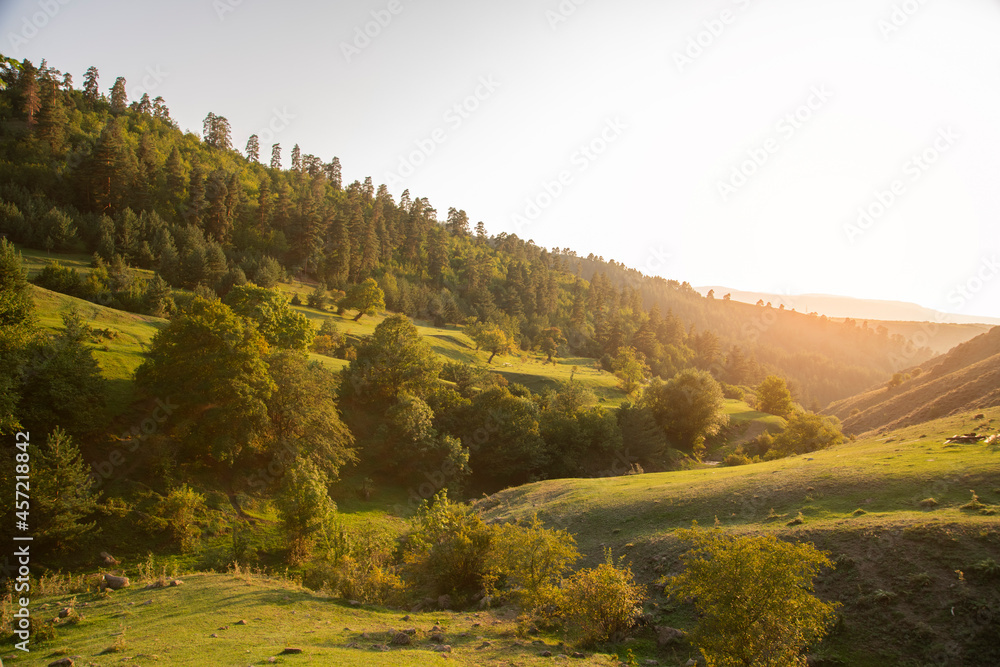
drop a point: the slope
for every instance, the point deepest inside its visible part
(967, 378)
(867, 502)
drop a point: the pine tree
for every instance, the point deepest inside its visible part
(196, 196)
(91, 90)
(253, 149)
(296, 158)
(160, 110)
(276, 156)
(62, 495)
(30, 90)
(333, 174)
(119, 99)
(52, 119)
(144, 106)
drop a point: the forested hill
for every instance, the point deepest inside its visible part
(88, 170)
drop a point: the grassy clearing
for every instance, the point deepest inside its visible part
(197, 624)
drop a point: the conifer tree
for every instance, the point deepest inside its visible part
(62, 495)
(253, 148)
(276, 156)
(91, 91)
(119, 98)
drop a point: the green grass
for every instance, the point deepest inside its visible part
(175, 626)
(892, 543)
(119, 353)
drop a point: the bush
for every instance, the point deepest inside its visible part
(753, 595)
(602, 603)
(179, 511)
(447, 551)
(528, 561)
(737, 458)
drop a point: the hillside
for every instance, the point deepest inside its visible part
(840, 307)
(967, 378)
(896, 556)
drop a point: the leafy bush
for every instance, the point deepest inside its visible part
(753, 594)
(527, 562)
(737, 458)
(602, 603)
(179, 512)
(447, 551)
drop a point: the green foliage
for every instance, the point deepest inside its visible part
(447, 551)
(807, 432)
(280, 325)
(179, 511)
(773, 397)
(366, 298)
(502, 434)
(492, 338)
(412, 448)
(528, 562)
(602, 603)
(17, 329)
(210, 362)
(303, 414)
(61, 496)
(305, 507)
(61, 381)
(394, 361)
(754, 596)
(688, 407)
(630, 368)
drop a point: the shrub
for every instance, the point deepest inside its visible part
(753, 594)
(528, 561)
(305, 508)
(602, 603)
(447, 551)
(737, 458)
(179, 511)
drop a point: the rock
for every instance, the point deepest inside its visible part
(546, 654)
(444, 602)
(578, 655)
(669, 636)
(354, 603)
(66, 611)
(484, 645)
(442, 648)
(64, 662)
(240, 622)
(108, 559)
(437, 638)
(410, 631)
(406, 618)
(176, 582)
(380, 647)
(213, 636)
(401, 639)
(691, 663)
(436, 628)
(116, 583)
(291, 651)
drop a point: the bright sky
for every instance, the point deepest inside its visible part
(722, 143)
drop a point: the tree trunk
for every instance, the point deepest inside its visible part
(490, 360)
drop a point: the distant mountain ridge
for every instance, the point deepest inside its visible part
(844, 306)
(967, 378)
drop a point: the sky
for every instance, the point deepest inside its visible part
(779, 146)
